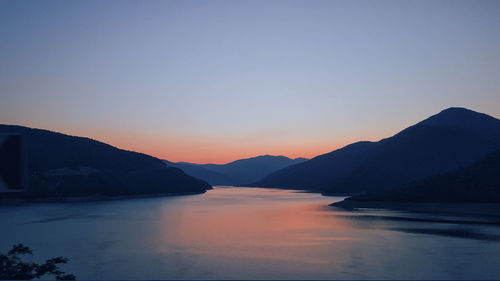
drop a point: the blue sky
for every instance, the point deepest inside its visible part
(214, 81)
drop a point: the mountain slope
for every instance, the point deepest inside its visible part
(314, 173)
(239, 172)
(452, 139)
(197, 171)
(478, 183)
(61, 165)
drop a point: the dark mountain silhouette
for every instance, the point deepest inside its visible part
(239, 172)
(447, 141)
(195, 170)
(63, 166)
(478, 183)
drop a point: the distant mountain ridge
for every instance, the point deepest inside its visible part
(66, 166)
(197, 171)
(449, 140)
(239, 172)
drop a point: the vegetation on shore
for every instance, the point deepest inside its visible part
(13, 268)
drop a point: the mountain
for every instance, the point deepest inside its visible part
(239, 172)
(61, 165)
(197, 171)
(478, 183)
(449, 140)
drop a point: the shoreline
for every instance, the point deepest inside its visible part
(468, 209)
(85, 199)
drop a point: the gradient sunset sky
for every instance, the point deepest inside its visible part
(215, 81)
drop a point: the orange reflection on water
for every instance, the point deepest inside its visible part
(278, 227)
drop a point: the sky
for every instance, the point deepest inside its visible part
(215, 81)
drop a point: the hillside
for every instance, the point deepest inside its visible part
(197, 171)
(239, 172)
(61, 165)
(478, 183)
(449, 140)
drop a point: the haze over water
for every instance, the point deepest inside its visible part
(249, 233)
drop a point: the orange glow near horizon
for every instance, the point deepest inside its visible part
(205, 82)
(211, 150)
(202, 150)
(178, 146)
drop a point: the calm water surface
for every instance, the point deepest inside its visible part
(250, 233)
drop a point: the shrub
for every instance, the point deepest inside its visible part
(13, 268)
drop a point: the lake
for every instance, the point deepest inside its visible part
(250, 233)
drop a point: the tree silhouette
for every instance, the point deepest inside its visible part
(12, 268)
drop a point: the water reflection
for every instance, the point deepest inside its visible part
(416, 217)
(457, 226)
(252, 233)
(452, 232)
